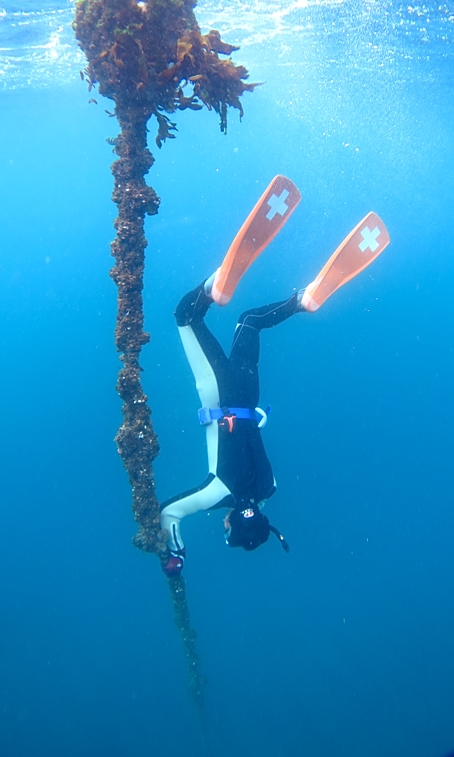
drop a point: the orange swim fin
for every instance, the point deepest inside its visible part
(367, 240)
(272, 211)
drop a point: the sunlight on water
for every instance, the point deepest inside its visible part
(37, 47)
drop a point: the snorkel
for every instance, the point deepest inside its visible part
(284, 543)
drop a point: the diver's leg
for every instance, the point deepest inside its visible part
(207, 359)
(193, 307)
(202, 348)
(245, 352)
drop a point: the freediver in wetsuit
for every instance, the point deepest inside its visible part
(240, 477)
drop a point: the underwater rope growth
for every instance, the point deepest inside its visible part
(145, 56)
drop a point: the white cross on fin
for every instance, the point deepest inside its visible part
(369, 239)
(277, 204)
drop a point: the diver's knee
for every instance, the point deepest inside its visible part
(246, 318)
(182, 313)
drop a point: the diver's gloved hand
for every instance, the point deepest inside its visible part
(175, 562)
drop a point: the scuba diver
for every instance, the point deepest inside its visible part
(240, 477)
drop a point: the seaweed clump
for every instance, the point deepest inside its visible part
(141, 53)
(151, 59)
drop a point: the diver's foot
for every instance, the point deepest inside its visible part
(367, 240)
(299, 299)
(208, 285)
(175, 562)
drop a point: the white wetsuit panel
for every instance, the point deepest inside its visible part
(207, 387)
(209, 496)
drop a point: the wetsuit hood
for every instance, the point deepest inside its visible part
(249, 527)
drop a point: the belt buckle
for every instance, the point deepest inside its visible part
(205, 416)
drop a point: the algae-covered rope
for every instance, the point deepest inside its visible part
(141, 55)
(196, 679)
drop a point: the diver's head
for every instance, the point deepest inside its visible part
(248, 527)
(245, 526)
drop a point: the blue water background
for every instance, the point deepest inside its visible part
(344, 646)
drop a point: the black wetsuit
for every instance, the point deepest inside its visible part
(239, 469)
